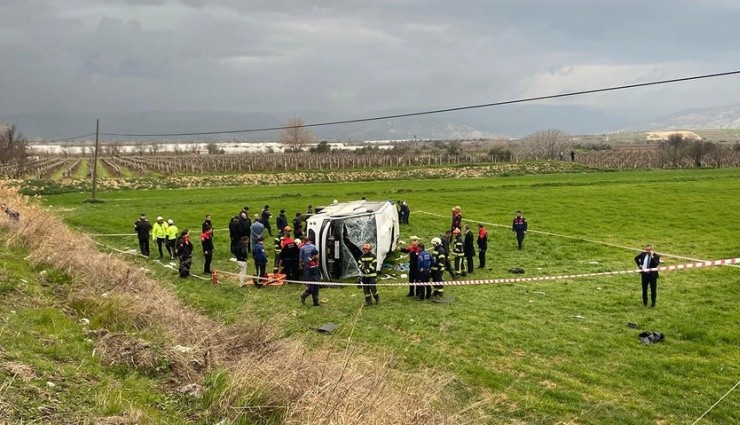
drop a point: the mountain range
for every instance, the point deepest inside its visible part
(512, 121)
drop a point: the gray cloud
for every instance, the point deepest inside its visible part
(354, 57)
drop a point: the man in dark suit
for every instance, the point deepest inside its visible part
(645, 261)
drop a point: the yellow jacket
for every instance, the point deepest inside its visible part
(159, 230)
(172, 232)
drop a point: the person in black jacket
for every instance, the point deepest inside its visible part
(265, 216)
(143, 227)
(245, 228)
(519, 226)
(645, 261)
(405, 212)
(446, 239)
(469, 248)
(234, 233)
(206, 223)
(184, 252)
(282, 221)
(206, 241)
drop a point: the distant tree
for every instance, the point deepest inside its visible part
(322, 147)
(154, 147)
(295, 137)
(674, 149)
(544, 144)
(719, 154)
(213, 148)
(13, 146)
(698, 149)
(499, 154)
(140, 148)
(113, 148)
(453, 147)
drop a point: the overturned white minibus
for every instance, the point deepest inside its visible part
(340, 229)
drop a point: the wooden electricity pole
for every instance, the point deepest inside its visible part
(95, 157)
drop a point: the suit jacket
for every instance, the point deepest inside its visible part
(654, 262)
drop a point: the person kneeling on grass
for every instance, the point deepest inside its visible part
(184, 252)
(313, 274)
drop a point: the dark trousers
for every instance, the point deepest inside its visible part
(423, 286)
(313, 291)
(291, 269)
(184, 268)
(233, 246)
(481, 258)
(268, 227)
(437, 279)
(449, 268)
(207, 266)
(520, 239)
(170, 244)
(651, 280)
(144, 246)
(260, 270)
(412, 279)
(160, 243)
(469, 261)
(370, 290)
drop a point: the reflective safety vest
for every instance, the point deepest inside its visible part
(368, 265)
(457, 249)
(159, 230)
(172, 232)
(439, 258)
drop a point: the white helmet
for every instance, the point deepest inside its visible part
(436, 241)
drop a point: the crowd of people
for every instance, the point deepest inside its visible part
(296, 255)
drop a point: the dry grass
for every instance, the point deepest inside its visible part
(267, 378)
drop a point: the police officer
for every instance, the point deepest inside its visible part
(519, 226)
(439, 259)
(368, 264)
(423, 287)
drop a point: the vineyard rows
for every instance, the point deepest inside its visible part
(119, 166)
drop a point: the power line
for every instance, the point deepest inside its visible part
(69, 138)
(439, 111)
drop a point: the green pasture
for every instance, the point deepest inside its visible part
(537, 352)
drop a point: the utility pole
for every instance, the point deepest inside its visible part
(95, 160)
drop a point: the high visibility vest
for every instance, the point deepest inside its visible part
(368, 265)
(439, 259)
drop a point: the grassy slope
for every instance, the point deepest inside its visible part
(48, 369)
(519, 345)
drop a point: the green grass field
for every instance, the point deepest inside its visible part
(544, 352)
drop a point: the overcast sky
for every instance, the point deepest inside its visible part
(352, 57)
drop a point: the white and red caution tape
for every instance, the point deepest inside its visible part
(685, 266)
